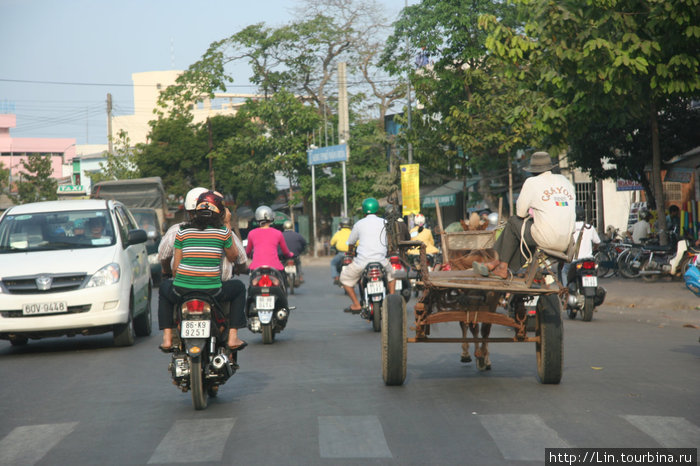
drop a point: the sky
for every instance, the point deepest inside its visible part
(60, 59)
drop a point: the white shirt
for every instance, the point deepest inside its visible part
(641, 229)
(552, 199)
(166, 251)
(371, 233)
(589, 238)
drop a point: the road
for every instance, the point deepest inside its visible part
(316, 396)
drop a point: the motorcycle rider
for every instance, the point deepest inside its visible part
(588, 240)
(545, 216)
(263, 242)
(339, 241)
(295, 243)
(642, 229)
(371, 233)
(422, 233)
(199, 247)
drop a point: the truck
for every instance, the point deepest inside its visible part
(137, 193)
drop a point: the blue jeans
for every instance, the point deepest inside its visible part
(336, 262)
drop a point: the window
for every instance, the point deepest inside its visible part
(673, 191)
(586, 198)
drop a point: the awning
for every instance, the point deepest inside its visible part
(446, 195)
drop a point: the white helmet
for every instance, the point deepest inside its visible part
(419, 220)
(192, 196)
(264, 214)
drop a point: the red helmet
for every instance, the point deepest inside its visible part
(212, 202)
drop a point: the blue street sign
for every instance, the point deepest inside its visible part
(328, 154)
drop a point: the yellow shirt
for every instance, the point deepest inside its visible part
(340, 240)
(425, 236)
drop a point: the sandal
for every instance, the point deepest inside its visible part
(166, 349)
(351, 310)
(240, 347)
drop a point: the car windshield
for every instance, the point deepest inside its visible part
(43, 231)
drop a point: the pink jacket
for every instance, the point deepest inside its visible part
(262, 242)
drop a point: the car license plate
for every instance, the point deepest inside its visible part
(265, 317)
(375, 287)
(265, 302)
(590, 280)
(44, 308)
(399, 285)
(290, 269)
(195, 329)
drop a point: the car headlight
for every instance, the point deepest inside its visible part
(153, 259)
(107, 275)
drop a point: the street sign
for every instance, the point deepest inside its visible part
(328, 154)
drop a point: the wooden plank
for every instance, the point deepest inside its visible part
(470, 317)
(488, 284)
(443, 239)
(474, 340)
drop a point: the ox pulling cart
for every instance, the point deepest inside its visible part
(473, 300)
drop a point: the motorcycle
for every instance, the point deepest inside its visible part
(584, 292)
(291, 267)
(403, 283)
(665, 260)
(347, 260)
(266, 304)
(692, 277)
(373, 288)
(200, 360)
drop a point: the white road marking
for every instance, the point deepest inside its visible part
(670, 432)
(194, 441)
(27, 445)
(521, 437)
(351, 437)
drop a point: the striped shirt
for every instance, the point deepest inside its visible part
(202, 250)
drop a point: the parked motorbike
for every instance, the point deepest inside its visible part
(403, 283)
(291, 268)
(584, 292)
(200, 361)
(266, 304)
(658, 261)
(372, 293)
(692, 277)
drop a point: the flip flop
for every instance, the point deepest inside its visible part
(166, 349)
(240, 347)
(351, 310)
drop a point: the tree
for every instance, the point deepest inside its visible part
(36, 183)
(610, 61)
(119, 166)
(4, 177)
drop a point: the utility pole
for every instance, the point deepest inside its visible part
(343, 124)
(211, 164)
(109, 124)
(408, 84)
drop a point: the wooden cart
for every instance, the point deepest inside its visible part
(464, 296)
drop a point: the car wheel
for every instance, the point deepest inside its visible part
(125, 334)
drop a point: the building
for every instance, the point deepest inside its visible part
(15, 150)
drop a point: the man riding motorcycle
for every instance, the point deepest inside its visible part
(295, 243)
(339, 241)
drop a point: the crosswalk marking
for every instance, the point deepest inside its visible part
(351, 437)
(521, 437)
(193, 441)
(27, 445)
(670, 432)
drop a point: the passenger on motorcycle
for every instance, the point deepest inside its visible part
(371, 233)
(199, 247)
(263, 242)
(339, 241)
(588, 240)
(422, 233)
(296, 243)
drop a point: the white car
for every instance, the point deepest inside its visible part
(73, 268)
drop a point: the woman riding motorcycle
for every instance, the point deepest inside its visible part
(263, 242)
(199, 246)
(421, 233)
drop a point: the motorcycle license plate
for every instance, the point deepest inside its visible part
(399, 285)
(195, 329)
(44, 308)
(590, 280)
(290, 269)
(532, 302)
(265, 316)
(265, 302)
(375, 287)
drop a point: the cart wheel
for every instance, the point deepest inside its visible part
(551, 332)
(394, 340)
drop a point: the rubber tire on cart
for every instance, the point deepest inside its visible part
(125, 334)
(588, 305)
(394, 344)
(268, 334)
(377, 314)
(550, 330)
(199, 394)
(142, 323)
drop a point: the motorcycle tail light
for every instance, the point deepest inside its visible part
(374, 274)
(396, 263)
(266, 281)
(195, 306)
(589, 265)
(290, 262)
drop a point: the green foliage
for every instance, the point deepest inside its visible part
(121, 165)
(4, 177)
(36, 183)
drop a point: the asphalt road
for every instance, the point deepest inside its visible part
(316, 396)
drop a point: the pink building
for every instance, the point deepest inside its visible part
(14, 150)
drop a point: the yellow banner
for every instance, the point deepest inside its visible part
(410, 191)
